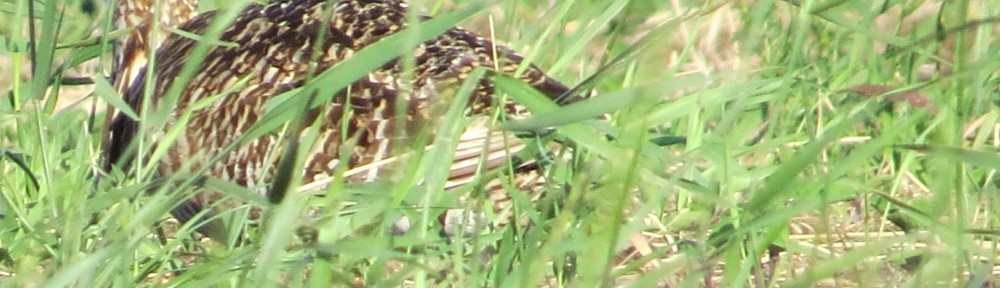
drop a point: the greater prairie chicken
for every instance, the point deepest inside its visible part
(271, 52)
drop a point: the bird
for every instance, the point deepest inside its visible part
(273, 53)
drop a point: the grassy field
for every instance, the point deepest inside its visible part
(748, 143)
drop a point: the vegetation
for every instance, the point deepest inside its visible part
(747, 143)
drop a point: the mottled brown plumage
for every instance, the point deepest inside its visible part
(273, 55)
(144, 32)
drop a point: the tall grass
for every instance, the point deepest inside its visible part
(761, 143)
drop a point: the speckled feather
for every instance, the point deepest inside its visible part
(273, 52)
(132, 48)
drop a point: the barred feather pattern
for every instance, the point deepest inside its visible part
(136, 16)
(273, 54)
